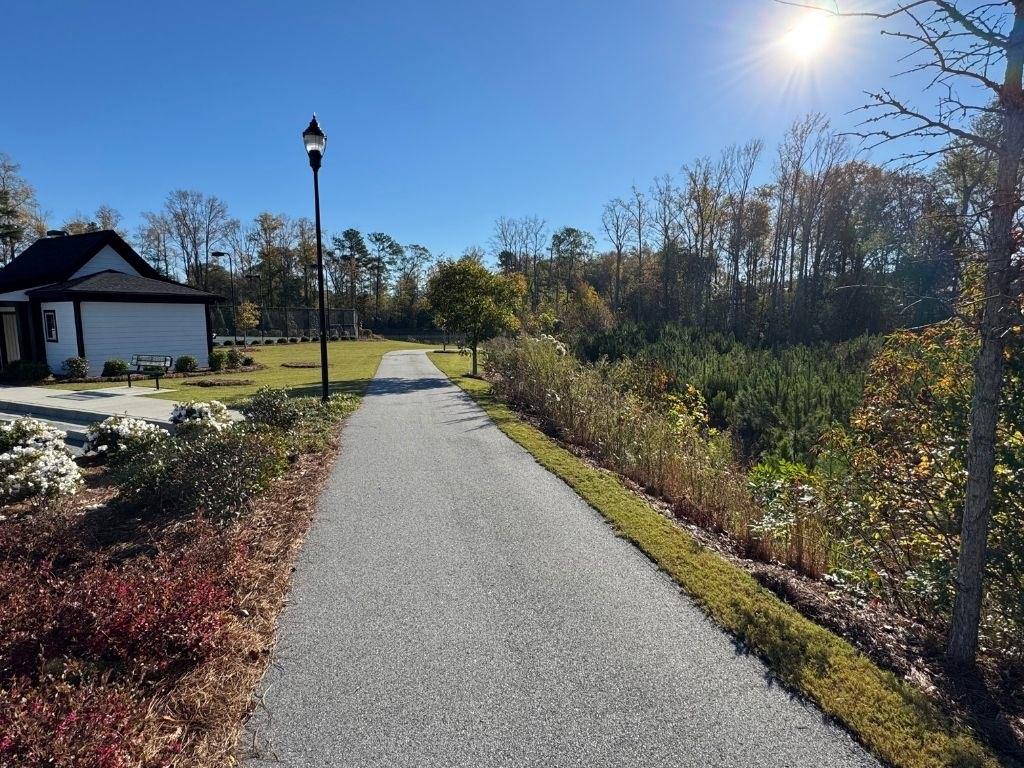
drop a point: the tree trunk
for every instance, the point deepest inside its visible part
(473, 347)
(618, 276)
(988, 374)
(962, 645)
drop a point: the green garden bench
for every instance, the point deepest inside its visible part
(150, 365)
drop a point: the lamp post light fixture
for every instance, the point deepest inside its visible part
(316, 142)
(218, 255)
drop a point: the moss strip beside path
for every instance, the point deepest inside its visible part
(894, 720)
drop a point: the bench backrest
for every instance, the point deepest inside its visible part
(143, 362)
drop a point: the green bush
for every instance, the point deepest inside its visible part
(76, 367)
(274, 408)
(248, 360)
(793, 514)
(215, 472)
(115, 367)
(896, 484)
(186, 364)
(228, 343)
(218, 359)
(306, 423)
(776, 402)
(282, 340)
(24, 371)
(234, 358)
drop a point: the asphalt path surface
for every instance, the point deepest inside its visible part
(457, 605)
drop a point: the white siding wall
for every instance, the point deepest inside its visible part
(67, 341)
(122, 329)
(14, 296)
(108, 258)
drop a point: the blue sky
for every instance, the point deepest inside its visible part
(440, 115)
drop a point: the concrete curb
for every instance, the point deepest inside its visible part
(72, 415)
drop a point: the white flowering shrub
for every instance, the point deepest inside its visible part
(792, 512)
(29, 432)
(200, 416)
(35, 463)
(121, 433)
(560, 349)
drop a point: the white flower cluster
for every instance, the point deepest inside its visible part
(29, 432)
(119, 432)
(35, 462)
(560, 348)
(197, 414)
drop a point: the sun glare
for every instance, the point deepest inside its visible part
(809, 36)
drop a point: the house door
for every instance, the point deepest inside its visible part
(11, 342)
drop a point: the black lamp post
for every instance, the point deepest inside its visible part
(316, 143)
(218, 255)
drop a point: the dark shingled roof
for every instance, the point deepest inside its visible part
(110, 285)
(54, 259)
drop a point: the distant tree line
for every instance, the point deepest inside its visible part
(828, 248)
(269, 261)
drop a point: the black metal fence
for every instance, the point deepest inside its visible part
(424, 335)
(276, 322)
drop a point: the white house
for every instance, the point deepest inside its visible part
(91, 295)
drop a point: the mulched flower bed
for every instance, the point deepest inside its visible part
(221, 382)
(131, 641)
(141, 377)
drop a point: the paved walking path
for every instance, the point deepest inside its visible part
(457, 605)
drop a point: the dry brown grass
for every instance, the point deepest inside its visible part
(207, 706)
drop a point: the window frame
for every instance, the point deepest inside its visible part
(47, 314)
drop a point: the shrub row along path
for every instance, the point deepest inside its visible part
(457, 605)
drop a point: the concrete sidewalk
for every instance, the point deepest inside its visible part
(86, 405)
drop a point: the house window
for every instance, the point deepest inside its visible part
(50, 324)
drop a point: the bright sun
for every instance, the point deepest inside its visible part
(809, 35)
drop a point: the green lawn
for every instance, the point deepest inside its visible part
(894, 720)
(352, 365)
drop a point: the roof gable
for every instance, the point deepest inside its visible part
(55, 259)
(107, 258)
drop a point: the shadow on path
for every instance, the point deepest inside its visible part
(400, 386)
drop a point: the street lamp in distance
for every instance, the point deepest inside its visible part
(316, 143)
(218, 255)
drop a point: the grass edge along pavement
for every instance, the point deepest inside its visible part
(891, 718)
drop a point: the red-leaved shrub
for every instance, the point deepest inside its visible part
(145, 617)
(54, 724)
(150, 616)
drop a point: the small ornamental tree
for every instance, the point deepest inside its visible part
(247, 317)
(465, 297)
